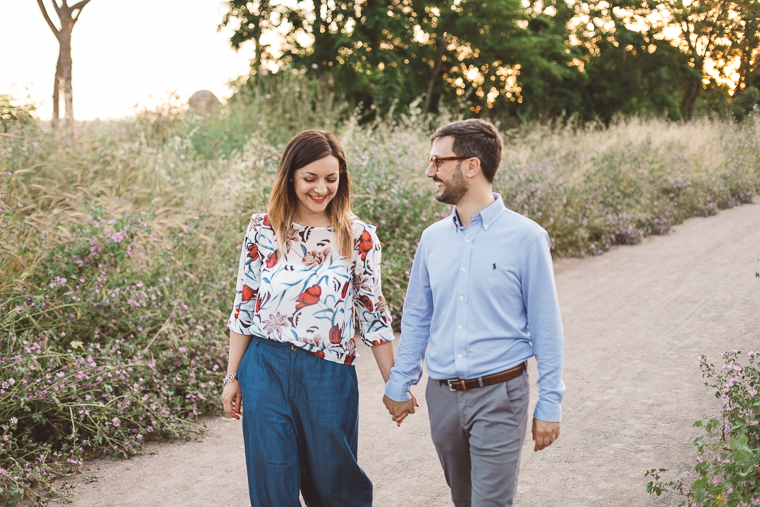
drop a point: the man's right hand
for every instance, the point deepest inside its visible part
(399, 410)
(544, 433)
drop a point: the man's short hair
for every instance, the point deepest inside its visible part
(475, 138)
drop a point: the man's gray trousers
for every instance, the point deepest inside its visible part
(478, 435)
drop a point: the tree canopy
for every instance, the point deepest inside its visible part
(532, 59)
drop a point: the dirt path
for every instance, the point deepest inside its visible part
(635, 319)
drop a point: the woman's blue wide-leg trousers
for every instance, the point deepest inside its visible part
(300, 425)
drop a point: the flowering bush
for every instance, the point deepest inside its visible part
(61, 407)
(119, 247)
(100, 353)
(728, 466)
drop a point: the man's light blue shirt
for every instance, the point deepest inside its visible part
(483, 297)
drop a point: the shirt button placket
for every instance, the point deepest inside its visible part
(463, 282)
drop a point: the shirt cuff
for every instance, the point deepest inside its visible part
(547, 411)
(397, 393)
(379, 337)
(235, 326)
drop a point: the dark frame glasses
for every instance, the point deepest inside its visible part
(437, 161)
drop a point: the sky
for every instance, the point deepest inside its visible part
(125, 53)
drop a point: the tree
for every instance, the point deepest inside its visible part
(746, 43)
(706, 28)
(68, 16)
(366, 49)
(630, 66)
(253, 20)
(551, 80)
(382, 52)
(480, 63)
(531, 58)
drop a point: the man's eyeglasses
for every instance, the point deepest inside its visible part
(437, 161)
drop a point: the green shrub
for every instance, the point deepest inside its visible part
(745, 103)
(728, 466)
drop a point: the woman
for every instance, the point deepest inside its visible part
(305, 267)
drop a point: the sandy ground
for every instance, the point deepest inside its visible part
(636, 320)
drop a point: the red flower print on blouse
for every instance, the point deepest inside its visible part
(318, 353)
(266, 221)
(367, 302)
(237, 311)
(349, 360)
(259, 303)
(365, 245)
(335, 335)
(345, 290)
(253, 251)
(309, 297)
(273, 258)
(248, 294)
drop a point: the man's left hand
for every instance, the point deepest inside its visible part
(544, 433)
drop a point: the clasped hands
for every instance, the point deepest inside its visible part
(398, 409)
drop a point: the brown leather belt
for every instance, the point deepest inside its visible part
(457, 384)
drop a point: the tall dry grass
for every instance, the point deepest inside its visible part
(119, 244)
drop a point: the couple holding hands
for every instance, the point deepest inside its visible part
(481, 296)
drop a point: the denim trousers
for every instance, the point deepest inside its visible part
(300, 427)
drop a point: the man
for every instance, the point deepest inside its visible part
(482, 295)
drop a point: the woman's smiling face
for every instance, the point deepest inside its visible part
(315, 185)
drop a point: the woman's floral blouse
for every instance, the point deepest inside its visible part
(308, 297)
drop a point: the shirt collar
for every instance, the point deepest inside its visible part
(488, 215)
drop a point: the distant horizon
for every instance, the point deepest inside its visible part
(125, 57)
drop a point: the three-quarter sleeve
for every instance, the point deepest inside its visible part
(248, 281)
(371, 309)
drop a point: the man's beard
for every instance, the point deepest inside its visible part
(453, 190)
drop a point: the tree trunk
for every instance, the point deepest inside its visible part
(693, 89)
(57, 84)
(65, 63)
(436, 71)
(316, 31)
(258, 53)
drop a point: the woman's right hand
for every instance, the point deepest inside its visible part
(232, 399)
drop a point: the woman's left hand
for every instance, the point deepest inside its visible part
(232, 399)
(401, 417)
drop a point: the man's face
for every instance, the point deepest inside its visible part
(450, 184)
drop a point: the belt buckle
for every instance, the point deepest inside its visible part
(451, 386)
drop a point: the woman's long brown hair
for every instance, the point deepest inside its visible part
(305, 148)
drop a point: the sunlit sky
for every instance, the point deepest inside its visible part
(125, 53)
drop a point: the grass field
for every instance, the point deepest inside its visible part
(120, 242)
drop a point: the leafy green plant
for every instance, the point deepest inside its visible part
(745, 103)
(728, 467)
